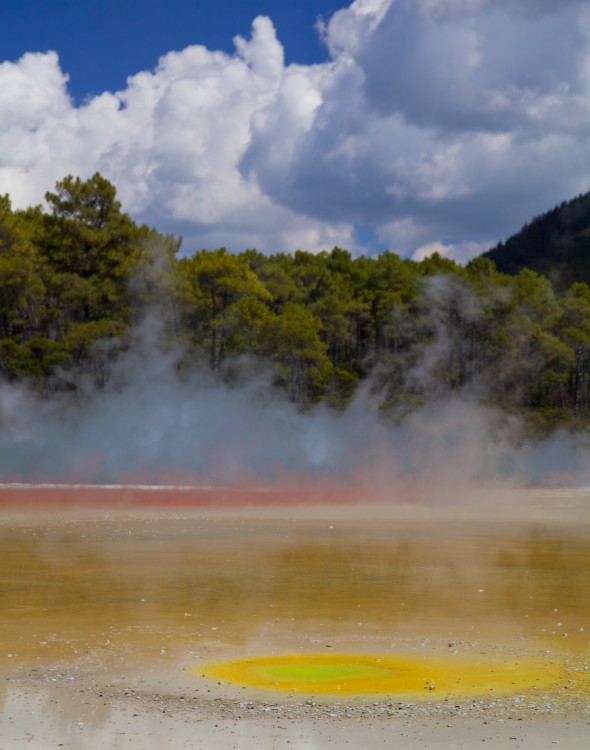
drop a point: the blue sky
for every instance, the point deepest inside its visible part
(412, 125)
(101, 42)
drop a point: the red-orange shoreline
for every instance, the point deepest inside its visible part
(87, 496)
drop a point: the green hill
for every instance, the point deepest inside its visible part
(555, 244)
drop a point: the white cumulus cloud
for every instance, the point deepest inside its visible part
(436, 124)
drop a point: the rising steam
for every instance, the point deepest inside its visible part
(157, 427)
(150, 424)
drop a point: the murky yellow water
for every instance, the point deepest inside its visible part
(129, 596)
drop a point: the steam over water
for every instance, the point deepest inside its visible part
(149, 425)
(128, 603)
(158, 429)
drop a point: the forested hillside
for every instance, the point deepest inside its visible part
(77, 280)
(556, 244)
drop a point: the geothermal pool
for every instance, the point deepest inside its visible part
(293, 604)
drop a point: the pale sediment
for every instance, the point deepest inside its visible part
(55, 708)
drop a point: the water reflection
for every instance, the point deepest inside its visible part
(109, 589)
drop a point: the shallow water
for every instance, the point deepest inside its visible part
(124, 596)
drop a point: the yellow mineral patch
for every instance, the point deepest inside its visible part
(404, 675)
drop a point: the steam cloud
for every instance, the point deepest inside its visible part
(151, 425)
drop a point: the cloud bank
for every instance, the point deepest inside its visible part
(436, 124)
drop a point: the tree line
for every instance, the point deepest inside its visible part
(78, 278)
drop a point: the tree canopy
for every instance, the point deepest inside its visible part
(77, 278)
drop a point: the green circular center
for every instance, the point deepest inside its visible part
(312, 670)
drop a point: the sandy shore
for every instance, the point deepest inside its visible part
(52, 709)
